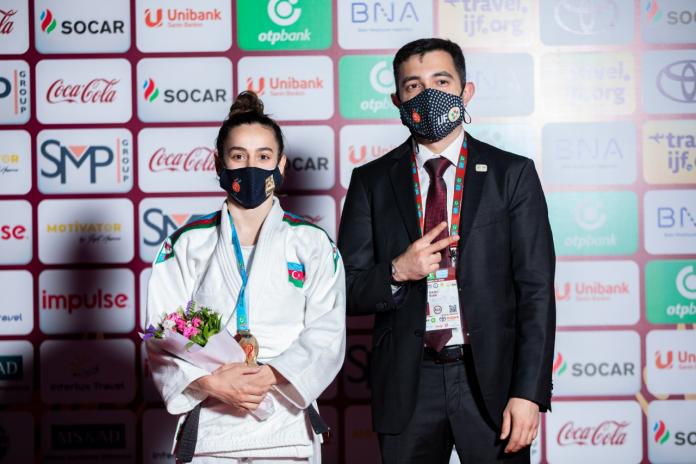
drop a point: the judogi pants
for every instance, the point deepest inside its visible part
(449, 411)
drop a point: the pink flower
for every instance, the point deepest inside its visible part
(190, 332)
(196, 321)
(180, 324)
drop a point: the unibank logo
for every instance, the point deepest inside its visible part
(85, 161)
(180, 17)
(559, 364)
(48, 22)
(284, 25)
(670, 361)
(155, 21)
(660, 433)
(666, 361)
(366, 83)
(258, 86)
(14, 92)
(184, 89)
(682, 359)
(670, 221)
(594, 223)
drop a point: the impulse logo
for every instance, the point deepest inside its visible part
(6, 23)
(48, 22)
(661, 434)
(559, 364)
(74, 301)
(151, 91)
(653, 11)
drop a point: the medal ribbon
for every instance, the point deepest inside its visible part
(241, 308)
(458, 193)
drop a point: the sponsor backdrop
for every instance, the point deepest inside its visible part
(108, 113)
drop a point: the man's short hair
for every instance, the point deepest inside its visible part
(421, 47)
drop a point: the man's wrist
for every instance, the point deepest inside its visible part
(395, 277)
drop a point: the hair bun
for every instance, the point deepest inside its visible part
(246, 102)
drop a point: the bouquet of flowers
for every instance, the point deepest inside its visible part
(196, 335)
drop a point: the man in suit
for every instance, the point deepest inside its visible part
(477, 374)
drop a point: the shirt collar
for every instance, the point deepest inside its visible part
(451, 152)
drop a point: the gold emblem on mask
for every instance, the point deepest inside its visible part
(270, 185)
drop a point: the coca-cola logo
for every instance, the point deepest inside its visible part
(607, 433)
(6, 23)
(197, 159)
(98, 90)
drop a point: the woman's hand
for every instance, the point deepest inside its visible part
(235, 384)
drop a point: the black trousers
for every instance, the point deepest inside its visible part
(449, 411)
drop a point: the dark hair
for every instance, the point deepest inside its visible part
(247, 108)
(422, 46)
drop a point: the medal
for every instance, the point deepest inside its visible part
(249, 345)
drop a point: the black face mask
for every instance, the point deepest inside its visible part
(432, 114)
(249, 187)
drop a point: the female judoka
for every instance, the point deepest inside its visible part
(280, 279)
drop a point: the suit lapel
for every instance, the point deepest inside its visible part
(402, 183)
(473, 185)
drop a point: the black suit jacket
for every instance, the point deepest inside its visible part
(505, 274)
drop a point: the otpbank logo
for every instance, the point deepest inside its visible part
(594, 223)
(183, 26)
(284, 24)
(184, 89)
(160, 217)
(670, 361)
(365, 85)
(670, 292)
(85, 161)
(14, 27)
(293, 88)
(672, 436)
(15, 92)
(82, 26)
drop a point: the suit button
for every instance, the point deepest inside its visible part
(418, 333)
(381, 305)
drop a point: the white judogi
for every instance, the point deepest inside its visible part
(299, 324)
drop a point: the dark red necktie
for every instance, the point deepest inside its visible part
(435, 213)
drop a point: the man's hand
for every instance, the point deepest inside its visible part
(523, 416)
(422, 257)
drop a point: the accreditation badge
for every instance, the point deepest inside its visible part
(443, 301)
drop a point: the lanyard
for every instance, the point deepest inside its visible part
(241, 308)
(458, 190)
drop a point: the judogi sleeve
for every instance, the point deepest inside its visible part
(170, 286)
(312, 361)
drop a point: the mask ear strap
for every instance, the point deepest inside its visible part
(467, 117)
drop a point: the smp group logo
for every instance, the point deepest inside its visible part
(284, 24)
(597, 293)
(382, 24)
(184, 26)
(360, 144)
(177, 160)
(670, 292)
(598, 363)
(310, 158)
(15, 162)
(668, 21)
(83, 91)
(670, 358)
(85, 231)
(672, 436)
(80, 435)
(14, 27)
(317, 209)
(85, 161)
(593, 223)
(87, 371)
(504, 83)
(670, 81)
(82, 26)
(184, 89)
(669, 152)
(292, 88)
(578, 22)
(670, 221)
(365, 87)
(600, 431)
(589, 153)
(488, 23)
(15, 232)
(86, 301)
(588, 84)
(14, 92)
(16, 314)
(160, 217)
(16, 371)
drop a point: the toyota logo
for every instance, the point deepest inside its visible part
(677, 81)
(586, 17)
